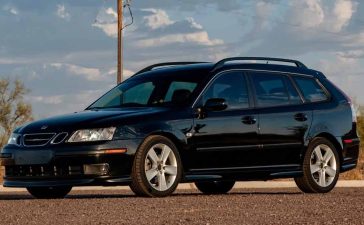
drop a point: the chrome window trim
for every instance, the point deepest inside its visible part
(244, 70)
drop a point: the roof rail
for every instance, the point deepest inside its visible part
(149, 68)
(221, 63)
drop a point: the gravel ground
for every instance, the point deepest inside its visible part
(240, 206)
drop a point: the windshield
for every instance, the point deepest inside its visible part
(150, 91)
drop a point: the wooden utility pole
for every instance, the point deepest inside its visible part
(120, 6)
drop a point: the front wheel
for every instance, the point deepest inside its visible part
(49, 192)
(157, 168)
(321, 167)
(215, 187)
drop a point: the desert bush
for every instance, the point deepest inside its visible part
(14, 111)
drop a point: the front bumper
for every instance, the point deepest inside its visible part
(68, 166)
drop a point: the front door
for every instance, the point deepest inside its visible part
(227, 139)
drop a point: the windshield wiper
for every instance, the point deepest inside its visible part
(105, 107)
(130, 104)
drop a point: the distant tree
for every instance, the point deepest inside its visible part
(14, 111)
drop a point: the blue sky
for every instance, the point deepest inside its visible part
(65, 51)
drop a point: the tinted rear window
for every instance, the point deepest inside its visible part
(270, 89)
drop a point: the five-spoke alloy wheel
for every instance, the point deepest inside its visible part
(320, 167)
(157, 168)
(160, 167)
(323, 165)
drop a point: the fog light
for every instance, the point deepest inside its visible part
(96, 169)
(6, 159)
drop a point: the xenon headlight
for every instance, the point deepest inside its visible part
(13, 139)
(99, 134)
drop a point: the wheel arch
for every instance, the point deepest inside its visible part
(334, 141)
(179, 141)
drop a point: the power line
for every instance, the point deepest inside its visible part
(127, 4)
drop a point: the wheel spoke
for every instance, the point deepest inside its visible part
(314, 168)
(172, 170)
(328, 155)
(322, 178)
(165, 153)
(153, 156)
(330, 171)
(161, 167)
(162, 182)
(151, 174)
(318, 153)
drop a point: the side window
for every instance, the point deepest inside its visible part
(179, 86)
(270, 89)
(310, 89)
(232, 87)
(294, 97)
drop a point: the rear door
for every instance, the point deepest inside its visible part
(283, 118)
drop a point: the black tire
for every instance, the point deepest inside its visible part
(308, 183)
(140, 184)
(302, 185)
(49, 192)
(215, 187)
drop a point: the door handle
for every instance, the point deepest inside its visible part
(249, 120)
(300, 117)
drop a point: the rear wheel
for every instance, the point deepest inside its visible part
(157, 168)
(321, 167)
(49, 192)
(215, 187)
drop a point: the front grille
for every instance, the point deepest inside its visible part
(43, 171)
(37, 139)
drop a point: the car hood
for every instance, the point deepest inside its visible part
(88, 119)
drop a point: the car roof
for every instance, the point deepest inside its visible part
(272, 68)
(207, 67)
(197, 69)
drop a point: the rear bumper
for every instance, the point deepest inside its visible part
(350, 154)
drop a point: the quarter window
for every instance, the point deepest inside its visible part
(311, 90)
(232, 87)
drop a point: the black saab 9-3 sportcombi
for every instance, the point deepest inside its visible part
(212, 124)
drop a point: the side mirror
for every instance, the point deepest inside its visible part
(215, 104)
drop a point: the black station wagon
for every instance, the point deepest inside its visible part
(244, 118)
